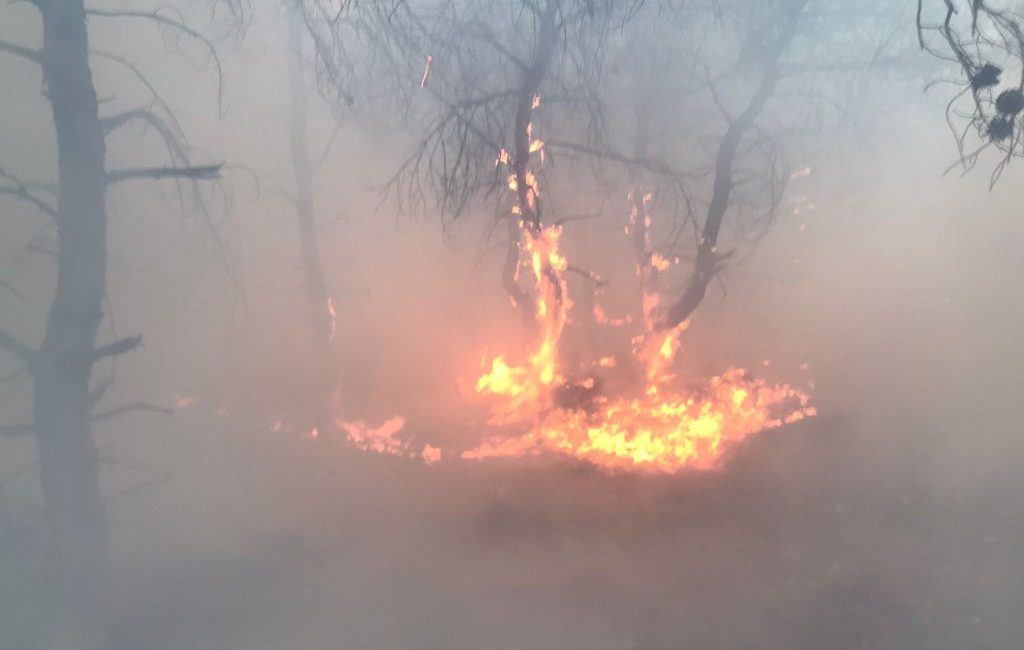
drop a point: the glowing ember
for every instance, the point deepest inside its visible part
(426, 72)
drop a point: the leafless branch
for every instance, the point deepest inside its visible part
(14, 346)
(17, 430)
(118, 347)
(589, 275)
(21, 191)
(177, 24)
(198, 172)
(131, 407)
(21, 51)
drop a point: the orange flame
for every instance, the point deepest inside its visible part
(660, 433)
(662, 428)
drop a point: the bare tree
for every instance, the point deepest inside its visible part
(64, 405)
(728, 64)
(716, 88)
(470, 75)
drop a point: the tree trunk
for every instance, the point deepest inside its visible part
(708, 260)
(527, 198)
(321, 319)
(68, 463)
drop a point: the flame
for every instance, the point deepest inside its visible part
(662, 427)
(380, 439)
(661, 433)
(659, 426)
(332, 317)
(660, 263)
(430, 454)
(183, 401)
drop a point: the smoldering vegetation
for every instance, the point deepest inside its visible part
(893, 519)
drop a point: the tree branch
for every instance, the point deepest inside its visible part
(193, 172)
(21, 190)
(21, 51)
(15, 347)
(130, 408)
(17, 430)
(175, 24)
(651, 164)
(118, 347)
(589, 275)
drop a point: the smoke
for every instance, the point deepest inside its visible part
(891, 520)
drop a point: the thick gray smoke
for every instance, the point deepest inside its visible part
(892, 520)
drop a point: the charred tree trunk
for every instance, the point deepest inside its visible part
(527, 198)
(320, 316)
(67, 452)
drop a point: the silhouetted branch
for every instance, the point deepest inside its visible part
(21, 51)
(17, 430)
(14, 291)
(172, 138)
(131, 407)
(200, 172)
(118, 347)
(589, 275)
(15, 347)
(175, 24)
(654, 165)
(100, 390)
(20, 190)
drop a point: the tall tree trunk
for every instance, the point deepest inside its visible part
(320, 313)
(67, 451)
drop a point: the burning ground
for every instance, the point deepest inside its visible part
(891, 519)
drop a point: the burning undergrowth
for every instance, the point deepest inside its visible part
(537, 406)
(661, 427)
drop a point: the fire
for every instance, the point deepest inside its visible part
(661, 428)
(332, 319)
(523, 386)
(661, 433)
(658, 426)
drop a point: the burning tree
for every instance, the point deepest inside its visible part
(500, 93)
(66, 401)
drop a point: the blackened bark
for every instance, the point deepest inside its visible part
(529, 202)
(527, 198)
(67, 452)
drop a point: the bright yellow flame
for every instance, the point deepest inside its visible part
(658, 432)
(661, 428)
